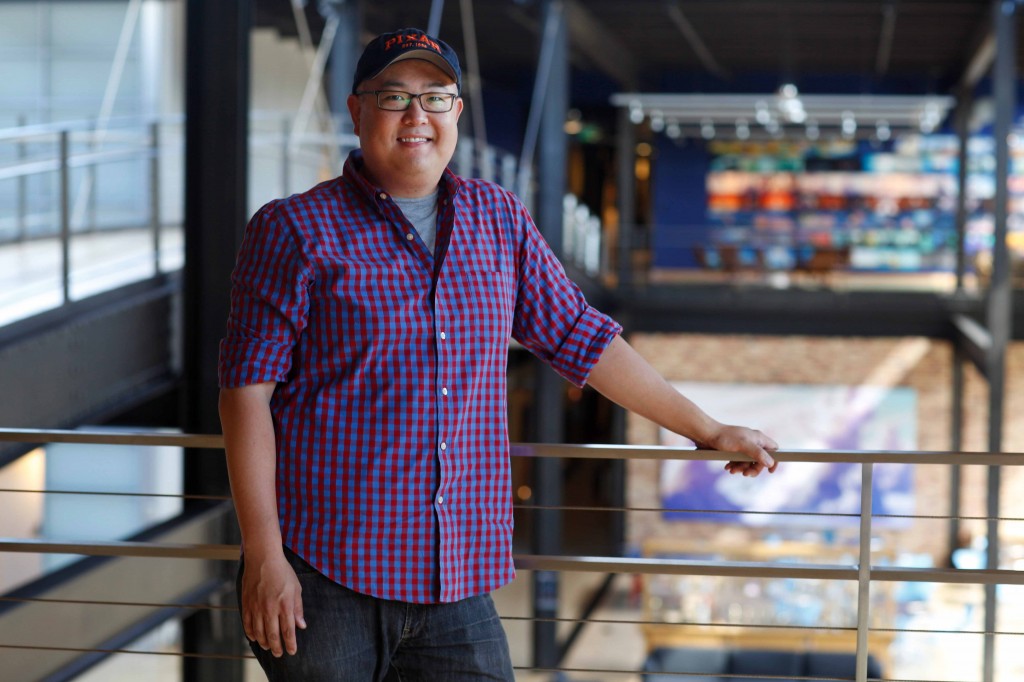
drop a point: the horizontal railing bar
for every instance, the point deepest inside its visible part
(111, 493)
(184, 440)
(87, 125)
(84, 650)
(568, 451)
(76, 160)
(563, 507)
(534, 619)
(831, 456)
(27, 168)
(583, 564)
(122, 549)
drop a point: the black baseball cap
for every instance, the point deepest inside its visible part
(408, 43)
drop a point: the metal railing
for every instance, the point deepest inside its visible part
(862, 572)
(64, 186)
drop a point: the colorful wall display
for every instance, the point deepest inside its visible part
(861, 418)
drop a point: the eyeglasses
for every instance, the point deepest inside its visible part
(396, 100)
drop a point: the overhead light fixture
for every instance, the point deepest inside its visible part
(788, 90)
(673, 130)
(657, 121)
(742, 129)
(882, 131)
(636, 113)
(849, 124)
(790, 105)
(707, 129)
(761, 113)
(930, 118)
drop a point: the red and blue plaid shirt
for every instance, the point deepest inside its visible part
(390, 410)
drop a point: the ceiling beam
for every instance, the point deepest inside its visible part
(885, 39)
(981, 54)
(693, 39)
(600, 45)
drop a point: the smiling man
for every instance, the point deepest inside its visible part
(363, 393)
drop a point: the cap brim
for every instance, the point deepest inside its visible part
(427, 56)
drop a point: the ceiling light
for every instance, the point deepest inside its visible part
(849, 125)
(762, 115)
(636, 113)
(882, 130)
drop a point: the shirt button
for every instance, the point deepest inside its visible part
(444, 446)
(440, 499)
(409, 236)
(443, 336)
(382, 195)
(444, 391)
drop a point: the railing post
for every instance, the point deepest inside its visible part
(864, 571)
(22, 199)
(508, 173)
(154, 191)
(286, 180)
(90, 183)
(464, 157)
(65, 216)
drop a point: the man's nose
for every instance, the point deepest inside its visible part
(415, 111)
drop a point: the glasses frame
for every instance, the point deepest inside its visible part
(411, 96)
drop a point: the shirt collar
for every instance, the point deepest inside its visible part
(353, 172)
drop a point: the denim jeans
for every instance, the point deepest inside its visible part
(353, 636)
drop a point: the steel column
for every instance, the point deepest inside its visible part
(154, 192)
(343, 58)
(963, 113)
(65, 216)
(956, 438)
(548, 480)
(1000, 302)
(626, 187)
(216, 165)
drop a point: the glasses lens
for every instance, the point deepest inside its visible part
(393, 100)
(436, 101)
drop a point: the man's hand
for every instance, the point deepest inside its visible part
(746, 441)
(271, 603)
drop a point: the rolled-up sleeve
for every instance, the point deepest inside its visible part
(553, 319)
(269, 303)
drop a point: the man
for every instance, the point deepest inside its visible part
(363, 393)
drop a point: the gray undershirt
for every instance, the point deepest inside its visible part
(422, 213)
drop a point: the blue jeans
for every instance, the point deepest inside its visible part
(353, 636)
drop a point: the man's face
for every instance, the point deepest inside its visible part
(405, 152)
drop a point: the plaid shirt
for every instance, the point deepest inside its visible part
(390, 411)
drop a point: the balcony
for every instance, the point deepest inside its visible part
(844, 583)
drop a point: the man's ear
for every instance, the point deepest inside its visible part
(458, 108)
(353, 111)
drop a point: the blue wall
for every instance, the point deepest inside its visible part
(679, 200)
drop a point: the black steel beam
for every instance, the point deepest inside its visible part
(550, 412)
(216, 167)
(1000, 302)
